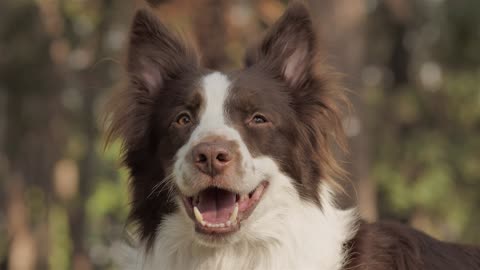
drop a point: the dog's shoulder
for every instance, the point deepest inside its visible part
(394, 246)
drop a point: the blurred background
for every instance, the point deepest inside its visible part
(413, 67)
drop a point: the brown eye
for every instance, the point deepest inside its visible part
(184, 119)
(259, 119)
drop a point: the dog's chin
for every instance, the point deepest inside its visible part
(219, 213)
(215, 241)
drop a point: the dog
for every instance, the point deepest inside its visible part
(235, 170)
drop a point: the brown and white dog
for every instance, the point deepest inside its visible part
(235, 171)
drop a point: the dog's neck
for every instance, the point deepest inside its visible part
(305, 237)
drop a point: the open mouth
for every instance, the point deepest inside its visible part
(219, 211)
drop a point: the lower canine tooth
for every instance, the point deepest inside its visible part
(233, 216)
(198, 215)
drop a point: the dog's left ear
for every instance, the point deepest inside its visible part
(288, 47)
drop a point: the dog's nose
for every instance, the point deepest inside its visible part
(212, 158)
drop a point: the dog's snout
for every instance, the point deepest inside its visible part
(212, 158)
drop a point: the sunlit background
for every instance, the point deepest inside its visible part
(413, 68)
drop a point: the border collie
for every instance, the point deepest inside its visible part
(234, 170)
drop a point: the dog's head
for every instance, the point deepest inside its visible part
(228, 151)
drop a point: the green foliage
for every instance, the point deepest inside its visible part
(108, 199)
(427, 157)
(59, 235)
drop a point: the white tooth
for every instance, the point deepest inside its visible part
(228, 223)
(221, 225)
(233, 216)
(209, 225)
(198, 215)
(260, 189)
(243, 197)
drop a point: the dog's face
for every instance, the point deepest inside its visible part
(226, 150)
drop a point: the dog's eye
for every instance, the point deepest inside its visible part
(259, 119)
(184, 119)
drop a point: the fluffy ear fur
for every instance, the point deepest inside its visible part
(156, 58)
(156, 55)
(289, 46)
(288, 52)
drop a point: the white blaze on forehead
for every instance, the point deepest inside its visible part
(215, 87)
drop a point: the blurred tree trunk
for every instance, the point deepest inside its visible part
(3, 166)
(32, 141)
(398, 22)
(210, 30)
(88, 79)
(342, 27)
(23, 253)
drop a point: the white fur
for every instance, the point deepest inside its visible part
(215, 88)
(283, 232)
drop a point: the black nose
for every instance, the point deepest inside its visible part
(212, 158)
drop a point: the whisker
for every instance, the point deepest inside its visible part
(160, 186)
(167, 185)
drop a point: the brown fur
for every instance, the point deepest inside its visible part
(317, 99)
(392, 246)
(163, 76)
(302, 100)
(158, 63)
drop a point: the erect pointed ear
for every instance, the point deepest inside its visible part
(288, 47)
(155, 54)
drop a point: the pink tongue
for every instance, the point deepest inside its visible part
(216, 205)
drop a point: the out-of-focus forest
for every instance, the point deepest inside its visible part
(413, 68)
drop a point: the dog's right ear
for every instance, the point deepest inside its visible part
(155, 54)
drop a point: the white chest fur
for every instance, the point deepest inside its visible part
(297, 236)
